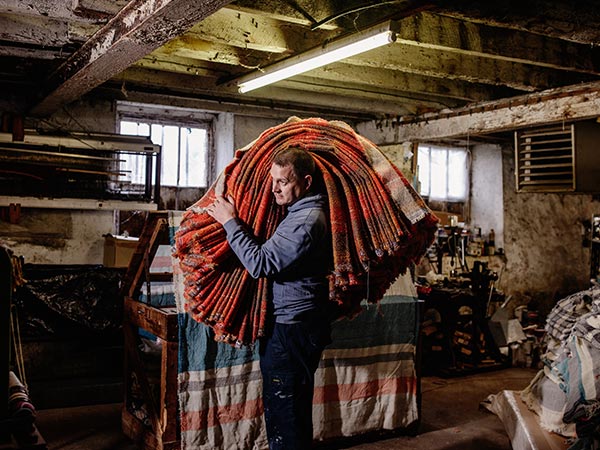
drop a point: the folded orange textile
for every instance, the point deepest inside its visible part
(379, 226)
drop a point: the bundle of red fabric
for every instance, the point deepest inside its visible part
(379, 226)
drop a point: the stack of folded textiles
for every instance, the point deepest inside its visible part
(379, 226)
(566, 393)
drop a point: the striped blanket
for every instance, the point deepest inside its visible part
(366, 380)
(565, 394)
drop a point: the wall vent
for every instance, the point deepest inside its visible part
(545, 159)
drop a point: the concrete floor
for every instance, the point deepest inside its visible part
(451, 419)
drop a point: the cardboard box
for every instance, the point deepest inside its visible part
(118, 250)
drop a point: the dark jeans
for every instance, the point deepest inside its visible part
(288, 360)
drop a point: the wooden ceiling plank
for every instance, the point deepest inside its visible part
(201, 87)
(256, 32)
(575, 22)
(179, 65)
(42, 31)
(476, 69)
(32, 53)
(461, 36)
(450, 88)
(139, 28)
(199, 50)
(277, 10)
(80, 11)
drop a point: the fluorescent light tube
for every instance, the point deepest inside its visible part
(319, 56)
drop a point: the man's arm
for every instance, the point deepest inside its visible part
(291, 240)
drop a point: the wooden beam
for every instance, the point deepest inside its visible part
(139, 28)
(256, 32)
(475, 69)
(134, 84)
(418, 84)
(560, 105)
(554, 18)
(178, 64)
(356, 91)
(427, 30)
(81, 10)
(43, 31)
(193, 47)
(288, 93)
(31, 53)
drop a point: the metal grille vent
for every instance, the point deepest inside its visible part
(545, 159)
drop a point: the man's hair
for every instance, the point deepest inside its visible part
(301, 161)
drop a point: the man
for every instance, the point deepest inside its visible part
(296, 261)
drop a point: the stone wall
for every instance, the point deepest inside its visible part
(544, 235)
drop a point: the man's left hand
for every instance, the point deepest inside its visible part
(222, 210)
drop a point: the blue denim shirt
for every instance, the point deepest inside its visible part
(296, 258)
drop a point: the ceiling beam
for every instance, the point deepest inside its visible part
(241, 106)
(43, 31)
(257, 32)
(427, 30)
(559, 105)
(62, 9)
(562, 19)
(419, 84)
(374, 105)
(139, 28)
(193, 47)
(178, 64)
(475, 69)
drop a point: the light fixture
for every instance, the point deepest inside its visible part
(333, 51)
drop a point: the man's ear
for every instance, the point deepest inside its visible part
(308, 181)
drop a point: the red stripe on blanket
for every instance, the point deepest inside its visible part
(207, 418)
(374, 388)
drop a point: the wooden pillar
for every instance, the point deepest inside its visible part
(5, 302)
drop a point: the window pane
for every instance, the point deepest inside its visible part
(444, 173)
(170, 155)
(129, 128)
(424, 178)
(193, 160)
(184, 153)
(439, 174)
(132, 165)
(143, 129)
(457, 175)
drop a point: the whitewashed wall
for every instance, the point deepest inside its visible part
(45, 236)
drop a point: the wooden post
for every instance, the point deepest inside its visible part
(5, 302)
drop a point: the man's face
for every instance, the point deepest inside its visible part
(286, 186)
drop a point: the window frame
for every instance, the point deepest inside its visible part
(467, 172)
(172, 116)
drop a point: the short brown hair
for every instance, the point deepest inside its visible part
(301, 161)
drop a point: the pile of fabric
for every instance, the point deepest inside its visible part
(379, 226)
(566, 393)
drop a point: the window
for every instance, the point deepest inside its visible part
(443, 173)
(184, 152)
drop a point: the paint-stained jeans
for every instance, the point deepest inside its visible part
(288, 361)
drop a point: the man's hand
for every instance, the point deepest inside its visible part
(221, 210)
